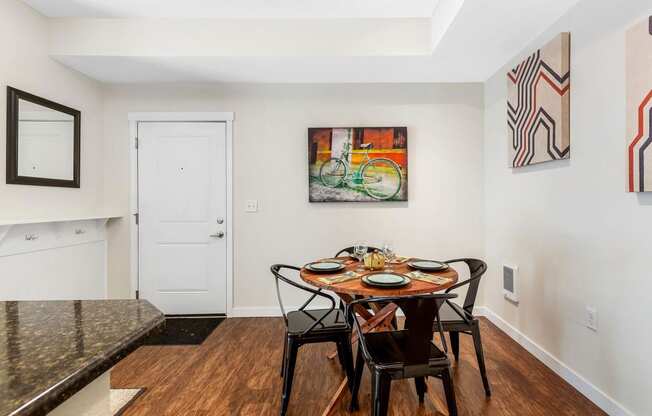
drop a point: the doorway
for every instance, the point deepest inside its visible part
(183, 232)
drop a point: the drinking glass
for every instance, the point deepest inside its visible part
(359, 250)
(390, 255)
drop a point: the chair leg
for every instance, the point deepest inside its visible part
(449, 390)
(283, 357)
(380, 390)
(420, 384)
(347, 353)
(340, 354)
(477, 342)
(455, 344)
(290, 362)
(359, 368)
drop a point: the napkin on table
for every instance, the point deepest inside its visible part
(399, 260)
(340, 278)
(419, 275)
(343, 260)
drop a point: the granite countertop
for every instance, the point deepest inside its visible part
(49, 350)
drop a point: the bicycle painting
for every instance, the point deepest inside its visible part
(358, 164)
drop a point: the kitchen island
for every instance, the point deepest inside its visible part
(55, 356)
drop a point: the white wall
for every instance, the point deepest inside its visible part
(442, 219)
(24, 64)
(577, 237)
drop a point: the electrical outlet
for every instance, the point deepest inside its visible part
(591, 318)
(251, 206)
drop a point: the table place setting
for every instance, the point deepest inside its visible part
(378, 268)
(425, 277)
(427, 265)
(340, 278)
(325, 266)
(343, 260)
(386, 279)
(399, 260)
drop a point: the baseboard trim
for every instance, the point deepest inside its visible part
(593, 393)
(256, 312)
(270, 311)
(197, 316)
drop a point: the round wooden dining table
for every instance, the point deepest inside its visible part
(379, 319)
(350, 288)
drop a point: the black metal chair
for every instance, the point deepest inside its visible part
(458, 320)
(351, 251)
(309, 326)
(401, 354)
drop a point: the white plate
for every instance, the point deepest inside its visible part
(427, 264)
(326, 265)
(386, 279)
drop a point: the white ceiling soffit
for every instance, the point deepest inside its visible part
(240, 37)
(370, 69)
(486, 34)
(472, 39)
(269, 9)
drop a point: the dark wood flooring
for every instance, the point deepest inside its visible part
(236, 372)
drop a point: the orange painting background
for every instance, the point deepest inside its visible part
(387, 142)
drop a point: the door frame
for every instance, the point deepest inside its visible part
(222, 117)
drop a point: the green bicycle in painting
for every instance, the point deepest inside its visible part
(379, 177)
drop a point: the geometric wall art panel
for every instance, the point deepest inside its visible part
(538, 105)
(639, 106)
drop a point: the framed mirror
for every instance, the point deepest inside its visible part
(43, 141)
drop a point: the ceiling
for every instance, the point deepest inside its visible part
(235, 8)
(470, 39)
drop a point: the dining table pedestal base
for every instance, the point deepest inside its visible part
(380, 320)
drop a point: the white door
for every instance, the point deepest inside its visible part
(182, 216)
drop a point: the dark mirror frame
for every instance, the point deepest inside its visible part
(13, 95)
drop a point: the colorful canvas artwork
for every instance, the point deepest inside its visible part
(639, 106)
(349, 164)
(538, 105)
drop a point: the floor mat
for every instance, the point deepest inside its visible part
(185, 330)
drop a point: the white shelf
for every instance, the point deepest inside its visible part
(62, 219)
(35, 234)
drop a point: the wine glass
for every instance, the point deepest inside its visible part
(359, 250)
(390, 254)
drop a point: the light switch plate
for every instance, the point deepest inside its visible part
(591, 319)
(251, 206)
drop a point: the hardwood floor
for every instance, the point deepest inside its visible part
(236, 372)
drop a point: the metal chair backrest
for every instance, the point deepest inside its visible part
(278, 277)
(476, 269)
(420, 313)
(351, 251)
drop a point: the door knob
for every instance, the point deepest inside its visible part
(218, 234)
